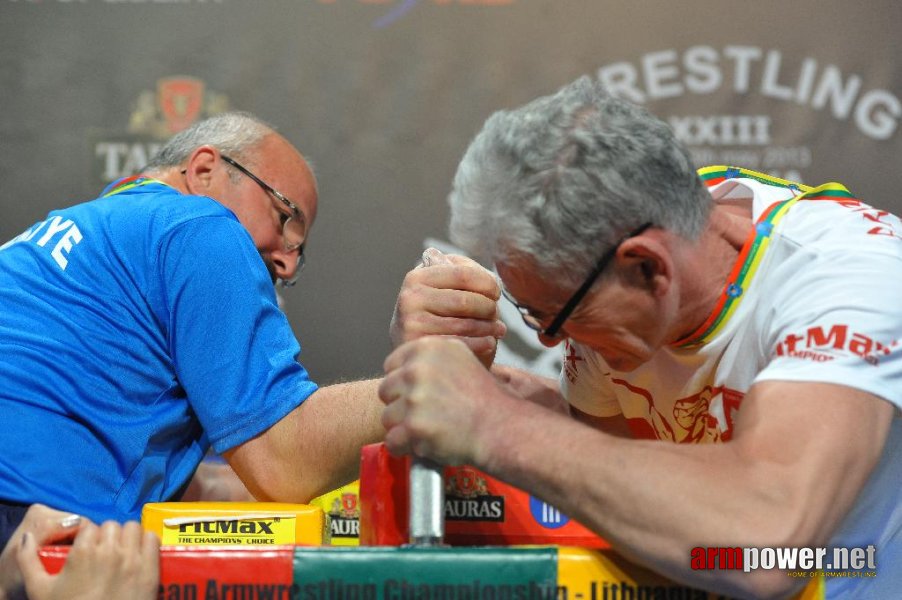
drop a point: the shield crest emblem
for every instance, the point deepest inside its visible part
(349, 502)
(180, 100)
(465, 482)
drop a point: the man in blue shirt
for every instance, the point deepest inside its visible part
(141, 329)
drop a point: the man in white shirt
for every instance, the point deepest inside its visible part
(719, 306)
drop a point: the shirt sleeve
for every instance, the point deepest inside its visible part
(233, 349)
(837, 319)
(584, 382)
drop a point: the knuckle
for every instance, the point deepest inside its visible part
(405, 298)
(461, 303)
(411, 277)
(476, 276)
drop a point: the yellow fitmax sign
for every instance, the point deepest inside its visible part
(242, 530)
(236, 523)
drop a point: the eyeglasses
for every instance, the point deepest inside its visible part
(293, 225)
(554, 329)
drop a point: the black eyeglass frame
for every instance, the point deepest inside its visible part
(295, 214)
(295, 211)
(571, 304)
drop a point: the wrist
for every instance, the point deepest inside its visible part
(491, 429)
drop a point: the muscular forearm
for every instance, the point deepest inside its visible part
(652, 503)
(586, 477)
(655, 501)
(315, 448)
(783, 480)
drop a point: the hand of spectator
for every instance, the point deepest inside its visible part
(450, 295)
(46, 526)
(110, 561)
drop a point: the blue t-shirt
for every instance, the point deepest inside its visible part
(136, 331)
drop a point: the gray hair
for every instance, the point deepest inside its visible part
(233, 134)
(564, 177)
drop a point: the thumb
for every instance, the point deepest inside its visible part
(434, 256)
(37, 580)
(440, 258)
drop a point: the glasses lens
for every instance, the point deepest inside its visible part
(292, 233)
(531, 321)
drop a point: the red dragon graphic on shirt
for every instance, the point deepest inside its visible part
(692, 418)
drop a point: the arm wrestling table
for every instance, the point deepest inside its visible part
(570, 563)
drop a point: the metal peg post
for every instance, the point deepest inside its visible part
(427, 503)
(427, 486)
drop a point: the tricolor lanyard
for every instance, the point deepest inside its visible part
(752, 253)
(129, 183)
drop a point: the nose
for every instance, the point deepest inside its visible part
(285, 263)
(549, 341)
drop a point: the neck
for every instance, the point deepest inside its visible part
(707, 268)
(172, 177)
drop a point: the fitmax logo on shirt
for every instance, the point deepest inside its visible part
(821, 345)
(70, 237)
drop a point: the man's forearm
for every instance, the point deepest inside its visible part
(313, 449)
(655, 501)
(350, 414)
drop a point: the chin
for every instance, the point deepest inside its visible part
(623, 364)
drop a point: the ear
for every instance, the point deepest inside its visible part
(647, 263)
(200, 169)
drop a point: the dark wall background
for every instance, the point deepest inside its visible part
(384, 95)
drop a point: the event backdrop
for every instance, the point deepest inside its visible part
(384, 95)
